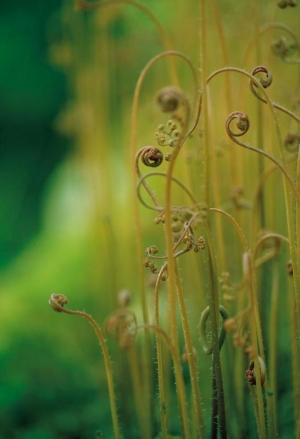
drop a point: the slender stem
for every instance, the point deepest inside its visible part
(179, 379)
(138, 392)
(133, 148)
(57, 302)
(157, 207)
(161, 30)
(236, 225)
(190, 355)
(213, 301)
(273, 352)
(161, 387)
(204, 84)
(257, 343)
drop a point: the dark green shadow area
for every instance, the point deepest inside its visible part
(31, 94)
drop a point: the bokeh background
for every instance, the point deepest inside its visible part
(66, 93)
(36, 398)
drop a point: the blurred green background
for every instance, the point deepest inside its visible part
(40, 396)
(58, 173)
(32, 92)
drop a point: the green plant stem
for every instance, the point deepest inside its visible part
(170, 255)
(161, 387)
(204, 83)
(257, 343)
(186, 332)
(108, 367)
(179, 379)
(213, 289)
(213, 303)
(137, 221)
(295, 366)
(133, 149)
(272, 105)
(190, 354)
(173, 284)
(256, 408)
(156, 206)
(138, 393)
(273, 352)
(235, 224)
(216, 190)
(287, 184)
(260, 116)
(235, 177)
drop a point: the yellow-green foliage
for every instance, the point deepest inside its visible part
(180, 215)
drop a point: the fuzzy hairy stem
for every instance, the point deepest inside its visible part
(57, 302)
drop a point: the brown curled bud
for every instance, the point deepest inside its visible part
(265, 77)
(242, 124)
(57, 302)
(230, 324)
(292, 142)
(170, 98)
(151, 156)
(250, 373)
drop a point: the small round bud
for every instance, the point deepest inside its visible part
(230, 324)
(292, 141)
(202, 242)
(170, 98)
(158, 219)
(124, 297)
(184, 356)
(251, 351)
(250, 373)
(164, 277)
(57, 302)
(176, 226)
(153, 267)
(152, 250)
(289, 268)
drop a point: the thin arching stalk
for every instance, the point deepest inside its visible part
(160, 29)
(137, 222)
(157, 207)
(57, 302)
(134, 116)
(173, 280)
(273, 350)
(287, 182)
